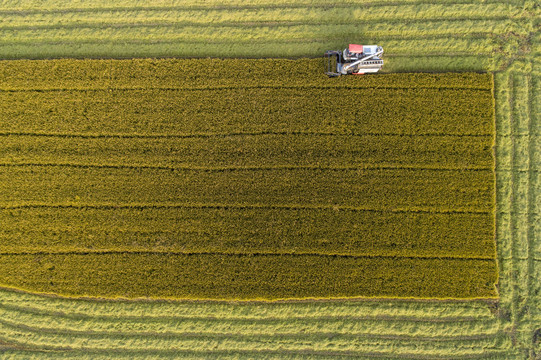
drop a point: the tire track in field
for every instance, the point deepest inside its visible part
(244, 318)
(357, 308)
(283, 309)
(393, 318)
(503, 156)
(531, 200)
(247, 87)
(490, 354)
(522, 223)
(224, 135)
(238, 206)
(467, 41)
(269, 28)
(507, 170)
(529, 206)
(243, 254)
(462, 46)
(109, 354)
(243, 331)
(249, 168)
(512, 220)
(252, 23)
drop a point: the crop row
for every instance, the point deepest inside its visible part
(204, 276)
(197, 230)
(249, 151)
(393, 112)
(385, 111)
(364, 189)
(213, 74)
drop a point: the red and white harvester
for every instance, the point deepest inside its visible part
(357, 59)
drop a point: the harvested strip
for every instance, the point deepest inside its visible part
(279, 344)
(195, 73)
(390, 311)
(381, 327)
(104, 5)
(222, 36)
(438, 62)
(304, 13)
(373, 27)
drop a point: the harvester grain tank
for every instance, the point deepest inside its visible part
(356, 60)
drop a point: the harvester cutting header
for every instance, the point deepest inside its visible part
(357, 59)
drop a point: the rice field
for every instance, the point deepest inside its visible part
(188, 191)
(462, 36)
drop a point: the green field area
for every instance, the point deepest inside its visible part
(440, 36)
(252, 188)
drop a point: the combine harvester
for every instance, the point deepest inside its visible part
(356, 60)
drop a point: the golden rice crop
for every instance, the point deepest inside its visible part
(245, 277)
(194, 175)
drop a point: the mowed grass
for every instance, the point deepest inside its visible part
(225, 179)
(463, 36)
(231, 330)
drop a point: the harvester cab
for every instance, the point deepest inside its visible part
(356, 59)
